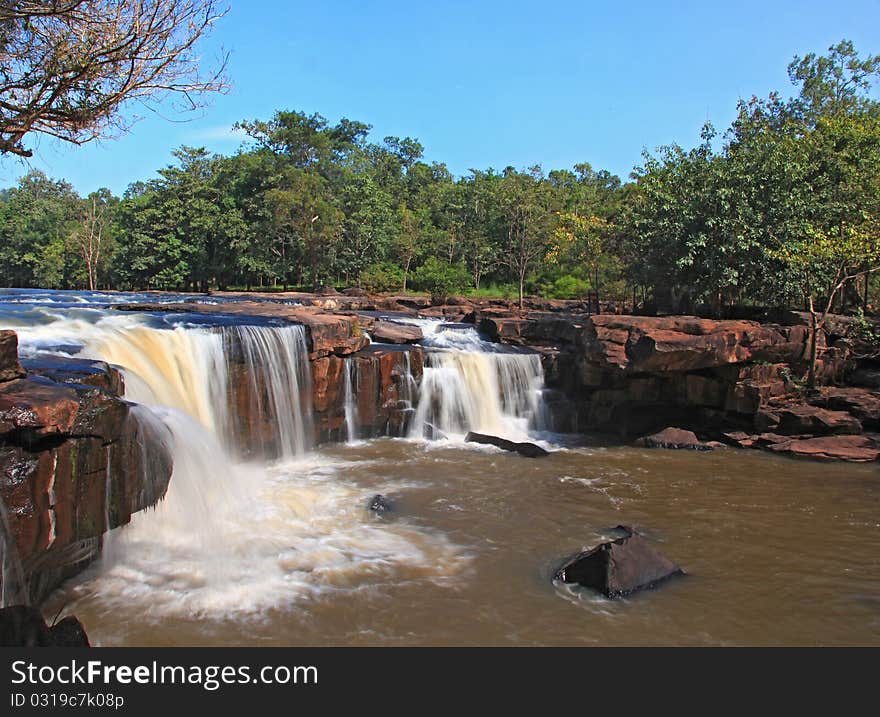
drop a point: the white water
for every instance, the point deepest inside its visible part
(232, 538)
(470, 384)
(350, 406)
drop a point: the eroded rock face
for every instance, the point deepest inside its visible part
(10, 368)
(619, 567)
(384, 381)
(75, 461)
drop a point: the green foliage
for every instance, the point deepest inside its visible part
(565, 287)
(384, 276)
(441, 279)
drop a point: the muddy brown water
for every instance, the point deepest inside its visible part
(777, 551)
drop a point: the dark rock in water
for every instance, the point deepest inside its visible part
(381, 504)
(618, 567)
(675, 438)
(529, 450)
(24, 626)
(69, 632)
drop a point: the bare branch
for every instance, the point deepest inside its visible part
(68, 66)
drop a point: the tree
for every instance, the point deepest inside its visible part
(526, 210)
(68, 66)
(91, 237)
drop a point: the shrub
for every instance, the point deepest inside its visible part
(441, 279)
(382, 277)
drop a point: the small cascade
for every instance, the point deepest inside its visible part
(470, 384)
(409, 387)
(350, 405)
(13, 585)
(276, 369)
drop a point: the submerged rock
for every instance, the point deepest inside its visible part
(381, 504)
(618, 567)
(529, 450)
(675, 438)
(24, 626)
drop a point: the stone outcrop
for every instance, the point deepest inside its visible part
(384, 381)
(391, 332)
(75, 461)
(619, 567)
(674, 438)
(10, 368)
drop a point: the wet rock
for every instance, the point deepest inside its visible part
(354, 291)
(61, 447)
(381, 504)
(619, 567)
(24, 626)
(69, 632)
(529, 450)
(82, 371)
(10, 368)
(855, 449)
(391, 332)
(675, 438)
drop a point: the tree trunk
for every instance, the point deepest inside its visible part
(814, 335)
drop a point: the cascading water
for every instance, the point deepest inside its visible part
(470, 384)
(350, 405)
(229, 537)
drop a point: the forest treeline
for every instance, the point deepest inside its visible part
(783, 208)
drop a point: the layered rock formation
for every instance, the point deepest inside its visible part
(729, 380)
(75, 461)
(384, 382)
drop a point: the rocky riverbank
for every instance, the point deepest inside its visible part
(75, 461)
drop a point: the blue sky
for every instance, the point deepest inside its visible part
(485, 83)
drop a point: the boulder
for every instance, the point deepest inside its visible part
(392, 332)
(529, 450)
(618, 567)
(381, 504)
(10, 368)
(675, 438)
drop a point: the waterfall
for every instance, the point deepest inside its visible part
(470, 384)
(277, 370)
(350, 406)
(248, 385)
